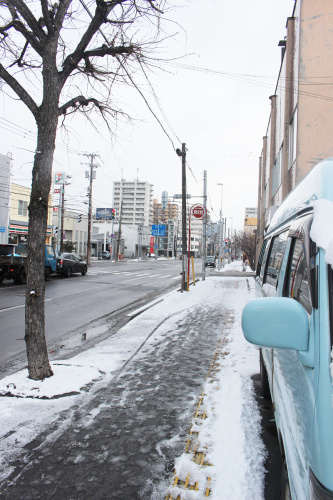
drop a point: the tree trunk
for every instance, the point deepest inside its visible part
(38, 362)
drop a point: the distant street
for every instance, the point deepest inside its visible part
(71, 303)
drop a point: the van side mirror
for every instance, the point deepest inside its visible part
(276, 322)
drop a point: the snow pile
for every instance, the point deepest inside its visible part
(68, 379)
(322, 228)
(230, 434)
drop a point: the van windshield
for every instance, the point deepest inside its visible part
(210, 259)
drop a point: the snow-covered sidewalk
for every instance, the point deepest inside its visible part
(228, 435)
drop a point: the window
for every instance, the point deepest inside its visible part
(22, 208)
(275, 258)
(298, 286)
(50, 251)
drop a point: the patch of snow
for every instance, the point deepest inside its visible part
(322, 229)
(269, 290)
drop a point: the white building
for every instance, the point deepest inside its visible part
(5, 168)
(136, 200)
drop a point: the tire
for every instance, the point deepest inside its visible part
(84, 271)
(47, 276)
(265, 391)
(22, 278)
(68, 272)
(285, 486)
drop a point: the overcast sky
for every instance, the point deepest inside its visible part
(215, 99)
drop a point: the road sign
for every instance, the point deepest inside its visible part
(112, 235)
(155, 246)
(199, 211)
(158, 230)
(105, 213)
(2, 229)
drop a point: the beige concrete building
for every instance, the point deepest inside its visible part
(162, 216)
(299, 131)
(19, 216)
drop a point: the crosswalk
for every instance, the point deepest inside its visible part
(132, 275)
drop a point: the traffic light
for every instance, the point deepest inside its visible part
(113, 213)
(55, 230)
(79, 218)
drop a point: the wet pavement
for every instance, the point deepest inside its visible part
(121, 442)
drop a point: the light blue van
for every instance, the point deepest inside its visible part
(293, 325)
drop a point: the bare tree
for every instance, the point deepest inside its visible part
(246, 243)
(54, 49)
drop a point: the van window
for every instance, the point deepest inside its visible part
(266, 246)
(275, 258)
(298, 278)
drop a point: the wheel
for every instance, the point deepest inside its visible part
(68, 272)
(285, 486)
(22, 278)
(265, 392)
(47, 274)
(84, 271)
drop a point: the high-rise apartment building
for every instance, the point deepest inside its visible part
(135, 198)
(162, 216)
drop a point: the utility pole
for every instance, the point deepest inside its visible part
(204, 224)
(62, 218)
(92, 175)
(182, 154)
(119, 226)
(221, 228)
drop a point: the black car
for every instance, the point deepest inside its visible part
(106, 255)
(210, 261)
(70, 263)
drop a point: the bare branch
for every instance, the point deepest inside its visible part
(46, 16)
(19, 60)
(20, 91)
(19, 26)
(111, 51)
(60, 14)
(30, 19)
(78, 101)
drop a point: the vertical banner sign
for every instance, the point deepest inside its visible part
(152, 244)
(59, 178)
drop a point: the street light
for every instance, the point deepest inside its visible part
(220, 245)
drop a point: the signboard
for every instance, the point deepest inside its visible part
(152, 241)
(199, 211)
(104, 213)
(158, 230)
(2, 229)
(57, 191)
(55, 209)
(59, 178)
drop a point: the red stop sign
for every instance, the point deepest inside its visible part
(199, 211)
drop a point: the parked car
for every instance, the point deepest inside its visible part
(70, 263)
(106, 255)
(210, 261)
(293, 325)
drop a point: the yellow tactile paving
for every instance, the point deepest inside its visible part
(198, 457)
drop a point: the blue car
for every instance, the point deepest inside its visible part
(293, 326)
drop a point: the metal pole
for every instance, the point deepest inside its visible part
(90, 208)
(62, 218)
(204, 224)
(189, 250)
(184, 250)
(138, 243)
(221, 229)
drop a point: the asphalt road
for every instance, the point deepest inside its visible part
(72, 303)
